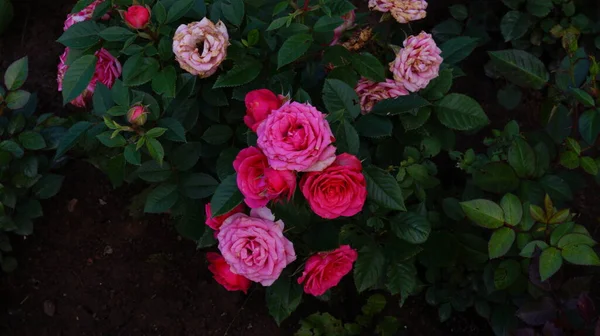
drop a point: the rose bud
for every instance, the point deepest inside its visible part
(137, 115)
(137, 17)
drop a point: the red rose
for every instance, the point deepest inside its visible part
(339, 190)
(260, 183)
(259, 103)
(324, 270)
(137, 17)
(223, 275)
(216, 222)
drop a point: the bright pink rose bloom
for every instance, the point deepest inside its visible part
(324, 270)
(339, 190)
(371, 93)
(108, 69)
(255, 247)
(348, 24)
(417, 63)
(84, 15)
(260, 183)
(403, 11)
(297, 137)
(216, 222)
(259, 103)
(137, 17)
(223, 275)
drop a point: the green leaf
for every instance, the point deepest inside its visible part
(368, 269)
(217, 134)
(155, 132)
(72, 137)
(460, 112)
(439, 86)
(17, 99)
(374, 126)
(484, 213)
(327, 24)
(496, 177)
(346, 137)
(583, 97)
(186, 156)
(78, 76)
(294, 47)
(459, 12)
(115, 169)
(509, 97)
(139, 70)
(383, 189)
(589, 125)
(514, 25)
(402, 104)
(107, 140)
(368, 66)
(241, 73)
(151, 171)
(512, 208)
(283, 297)
(102, 99)
(132, 155)
(521, 157)
(48, 186)
(12, 147)
(32, 140)
(155, 149)
(528, 250)
(116, 34)
(520, 67)
(556, 187)
(175, 131)
(198, 186)
(573, 238)
(226, 197)
(501, 241)
(179, 9)
(16, 74)
(402, 279)
(550, 262)
(161, 198)
(589, 165)
(458, 48)
(506, 274)
(278, 23)
(569, 159)
(338, 96)
(120, 93)
(411, 227)
(412, 122)
(539, 8)
(81, 35)
(164, 82)
(580, 255)
(233, 10)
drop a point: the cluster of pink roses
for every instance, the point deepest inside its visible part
(292, 138)
(415, 65)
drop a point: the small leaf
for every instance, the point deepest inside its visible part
(583, 97)
(179, 9)
(484, 213)
(16, 74)
(368, 66)
(581, 255)
(574, 239)
(161, 198)
(589, 125)
(116, 34)
(521, 157)
(383, 189)
(411, 227)
(155, 149)
(514, 25)
(71, 138)
(500, 242)
(294, 47)
(338, 96)
(32, 140)
(241, 73)
(513, 209)
(528, 250)
(550, 262)
(589, 165)
(399, 105)
(81, 35)
(368, 268)
(226, 197)
(496, 177)
(460, 112)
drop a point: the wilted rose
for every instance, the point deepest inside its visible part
(371, 93)
(417, 63)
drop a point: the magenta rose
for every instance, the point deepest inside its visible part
(83, 15)
(297, 137)
(417, 63)
(108, 69)
(260, 183)
(339, 190)
(371, 93)
(324, 270)
(216, 222)
(259, 103)
(223, 275)
(255, 247)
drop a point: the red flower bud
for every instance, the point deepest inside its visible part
(137, 17)
(137, 115)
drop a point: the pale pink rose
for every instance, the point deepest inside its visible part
(216, 222)
(200, 47)
(84, 15)
(108, 69)
(403, 11)
(417, 63)
(297, 137)
(324, 270)
(348, 24)
(223, 275)
(371, 93)
(260, 183)
(339, 190)
(255, 247)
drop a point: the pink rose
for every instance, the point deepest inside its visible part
(339, 190)
(324, 270)
(254, 246)
(223, 275)
(137, 17)
(259, 103)
(216, 222)
(200, 47)
(83, 15)
(403, 11)
(417, 63)
(258, 182)
(371, 93)
(137, 115)
(297, 137)
(108, 69)
(348, 24)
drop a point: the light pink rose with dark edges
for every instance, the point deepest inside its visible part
(84, 15)
(403, 11)
(324, 270)
(417, 63)
(297, 137)
(371, 93)
(254, 246)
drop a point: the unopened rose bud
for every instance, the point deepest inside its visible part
(137, 115)
(137, 16)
